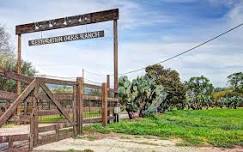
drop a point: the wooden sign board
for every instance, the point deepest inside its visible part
(66, 38)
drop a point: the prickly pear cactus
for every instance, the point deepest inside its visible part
(141, 95)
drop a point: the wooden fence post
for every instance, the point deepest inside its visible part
(10, 143)
(33, 125)
(104, 104)
(79, 104)
(74, 110)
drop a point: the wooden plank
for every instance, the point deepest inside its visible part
(46, 139)
(17, 77)
(4, 95)
(46, 128)
(7, 114)
(59, 107)
(65, 135)
(20, 137)
(53, 127)
(70, 21)
(56, 81)
(20, 149)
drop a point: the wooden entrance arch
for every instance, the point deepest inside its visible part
(65, 22)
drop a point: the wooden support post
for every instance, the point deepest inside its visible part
(104, 104)
(18, 66)
(10, 143)
(115, 33)
(31, 143)
(35, 113)
(79, 104)
(115, 64)
(33, 126)
(109, 93)
(57, 132)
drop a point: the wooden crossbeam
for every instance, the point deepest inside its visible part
(15, 76)
(69, 21)
(4, 95)
(7, 114)
(58, 96)
(59, 106)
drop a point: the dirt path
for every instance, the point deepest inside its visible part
(125, 143)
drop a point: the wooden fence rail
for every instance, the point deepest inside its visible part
(14, 143)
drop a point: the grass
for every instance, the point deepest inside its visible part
(56, 118)
(218, 127)
(51, 118)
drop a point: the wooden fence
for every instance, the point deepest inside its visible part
(52, 116)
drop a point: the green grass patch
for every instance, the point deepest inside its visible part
(218, 127)
(51, 118)
(57, 117)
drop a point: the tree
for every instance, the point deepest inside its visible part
(170, 80)
(231, 101)
(199, 92)
(8, 62)
(236, 81)
(4, 40)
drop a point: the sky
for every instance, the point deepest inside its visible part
(149, 31)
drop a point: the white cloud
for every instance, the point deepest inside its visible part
(216, 60)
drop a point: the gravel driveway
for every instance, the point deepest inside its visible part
(125, 143)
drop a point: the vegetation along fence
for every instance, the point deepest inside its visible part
(52, 115)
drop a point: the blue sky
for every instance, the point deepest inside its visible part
(149, 31)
